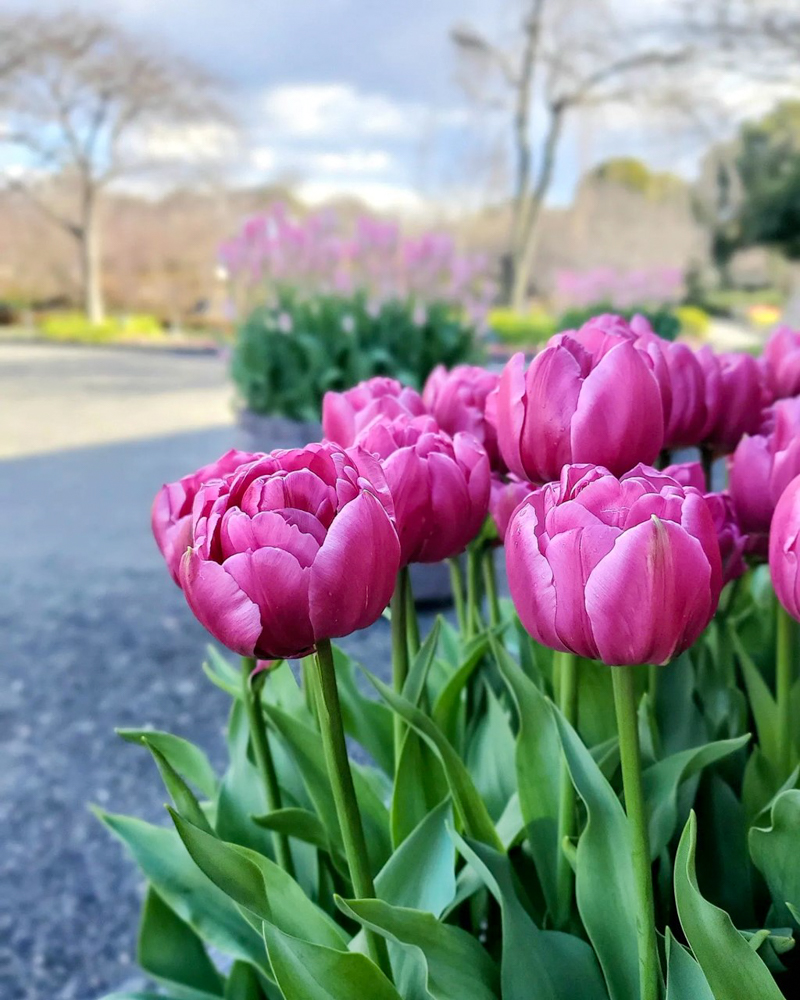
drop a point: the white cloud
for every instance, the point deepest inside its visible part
(197, 142)
(380, 195)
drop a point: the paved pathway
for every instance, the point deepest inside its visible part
(94, 635)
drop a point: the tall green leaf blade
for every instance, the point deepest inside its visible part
(538, 767)
(730, 965)
(367, 721)
(604, 881)
(420, 785)
(536, 964)
(243, 983)
(306, 971)
(762, 703)
(187, 759)
(775, 851)
(490, 757)
(685, 979)
(171, 952)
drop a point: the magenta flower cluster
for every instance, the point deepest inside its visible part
(607, 556)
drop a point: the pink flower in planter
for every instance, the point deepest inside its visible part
(346, 414)
(781, 363)
(784, 548)
(573, 405)
(440, 485)
(622, 570)
(457, 400)
(294, 547)
(171, 515)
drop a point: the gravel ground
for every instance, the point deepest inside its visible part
(95, 635)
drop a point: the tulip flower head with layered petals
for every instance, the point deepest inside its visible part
(624, 570)
(735, 397)
(292, 548)
(784, 549)
(781, 363)
(457, 401)
(346, 414)
(440, 485)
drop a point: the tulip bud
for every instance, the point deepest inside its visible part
(781, 363)
(784, 548)
(171, 515)
(290, 549)
(623, 570)
(573, 405)
(440, 485)
(457, 401)
(346, 414)
(735, 396)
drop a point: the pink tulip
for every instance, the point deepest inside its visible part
(622, 570)
(761, 468)
(689, 412)
(572, 405)
(784, 548)
(171, 516)
(440, 485)
(457, 400)
(294, 547)
(506, 495)
(781, 363)
(735, 396)
(733, 543)
(346, 414)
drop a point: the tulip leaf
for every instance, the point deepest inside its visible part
(595, 702)
(414, 684)
(775, 851)
(538, 767)
(258, 885)
(432, 960)
(299, 823)
(166, 863)
(221, 673)
(535, 964)
(762, 703)
(420, 785)
(182, 796)
(306, 971)
(491, 754)
(511, 826)
(679, 721)
(730, 965)
(243, 983)
(760, 783)
(367, 721)
(685, 979)
(449, 701)
(604, 881)
(137, 996)
(170, 951)
(184, 757)
(662, 780)
(469, 805)
(305, 744)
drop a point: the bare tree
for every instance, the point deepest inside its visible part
(570, 55)
(82, 102)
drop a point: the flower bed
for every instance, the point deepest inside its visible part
(586, 791)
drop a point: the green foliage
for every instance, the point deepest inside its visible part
(288, 355)
(635, 175)
(462, 833)
(664, 321)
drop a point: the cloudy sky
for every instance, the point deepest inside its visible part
(362, 96)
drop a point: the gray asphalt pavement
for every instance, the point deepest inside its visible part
(94, 635)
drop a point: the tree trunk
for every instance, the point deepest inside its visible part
(523, 261)
(91, 276)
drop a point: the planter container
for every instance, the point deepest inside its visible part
(431, 583)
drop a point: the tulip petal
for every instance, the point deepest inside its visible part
(508, 410)
(530, 578)
(353, 576)
(220, 604)
(553, 389)
(650, 597)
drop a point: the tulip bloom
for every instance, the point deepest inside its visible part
(457, 401)
(575, 405)
(784, 548)
(171, 515)
(291, 549)
(622, 570)
(346, 414)
(505, 496)
(440, 485)
(763, 465)
(735, 396)
(781, 363)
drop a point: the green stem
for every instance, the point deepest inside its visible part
(624, 679)
(473, 592)
(784, 676)
(344, 793)
(307, 673)
(652, 684)
(264, 761)
(412, 622)
(568, 703)
(457, 586)
(490, 586)
(399, 654)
